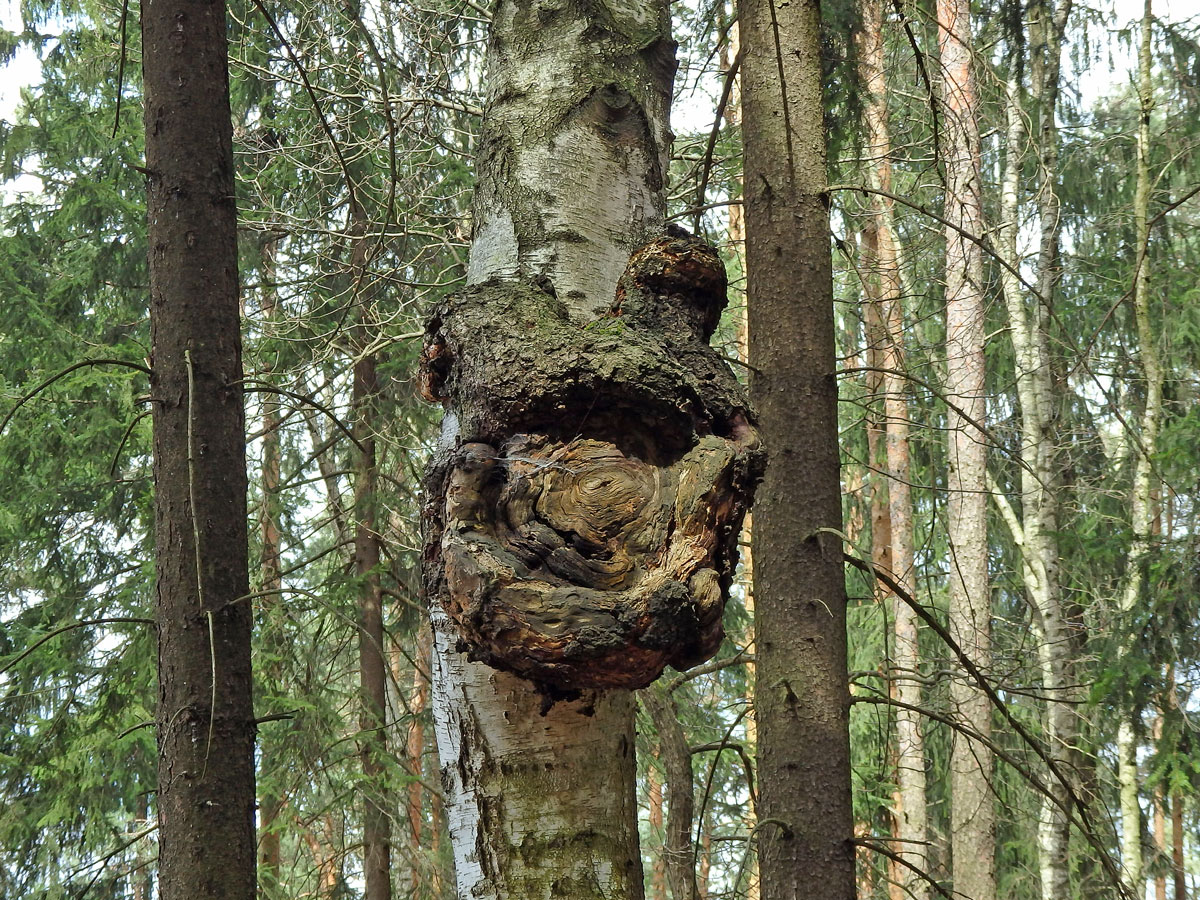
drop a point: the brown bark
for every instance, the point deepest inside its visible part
(677, 761)
(270, 803)
(325, 858)
(205, 717)
(658, 867)
(590, 561)
(801, 696)
(371, 653)
(972, 814)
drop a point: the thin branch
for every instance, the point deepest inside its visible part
(87, 623)
(65, 372)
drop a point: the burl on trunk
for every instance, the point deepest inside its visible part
(581, 530)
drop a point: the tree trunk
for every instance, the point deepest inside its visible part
(658, 867)
(205, 718)
(681, 799)
(910, 804)
(805, 825)
(1036, 533)
(372, 657)
(270, 804)
(1178, 871)
(596, 456)
(972, 827)
(1146, 442)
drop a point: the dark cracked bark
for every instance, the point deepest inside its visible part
(802, 701)
(205, 719)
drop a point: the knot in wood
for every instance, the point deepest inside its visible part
(583, 532)
(681, 272)
(578, 566)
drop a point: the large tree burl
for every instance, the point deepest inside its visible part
(581, 525)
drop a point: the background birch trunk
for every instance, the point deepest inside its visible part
(1145, 444)
(1036, 532)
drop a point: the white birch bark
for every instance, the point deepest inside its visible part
(1146, 442)
(1036, 533)
(572, 166)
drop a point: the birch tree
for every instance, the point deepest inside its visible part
(1141, 498)
(596, 455)
(1035, 530)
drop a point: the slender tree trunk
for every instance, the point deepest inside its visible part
(1141, 495)
(325, 858)
(1036, 533)
(910, 806)
(658, 868)
(1160, 826)
(806, 826)
(414, 748)
(205, 718)
(270, 804)
(371, 653)
(681, 800)
(1178, 871)
(731, 51)
(972, 826)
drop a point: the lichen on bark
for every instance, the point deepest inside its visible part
(582, 529)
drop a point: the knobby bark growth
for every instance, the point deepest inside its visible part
(801, 695)
(596, 456)
(205, 718)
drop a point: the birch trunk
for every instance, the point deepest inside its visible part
(973, 825)
(585, 411)
(1141, 495)
(1036, 534)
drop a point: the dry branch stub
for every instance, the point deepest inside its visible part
(582, 530)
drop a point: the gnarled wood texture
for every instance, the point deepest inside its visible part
(582, 531)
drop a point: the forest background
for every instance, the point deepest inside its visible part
(1088, 141)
